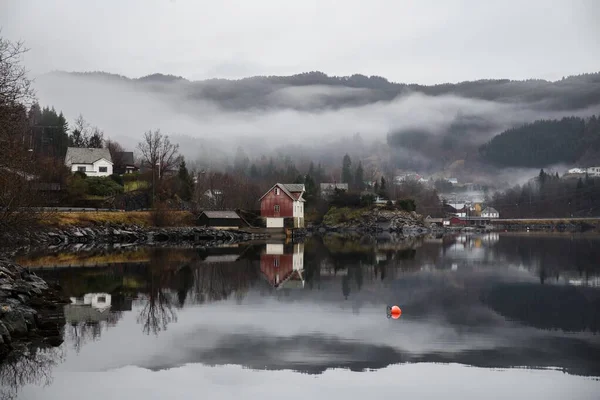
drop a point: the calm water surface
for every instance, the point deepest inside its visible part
(492, 316)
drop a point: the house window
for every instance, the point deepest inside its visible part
(276, 262)
(277, 191)
(80, 169)
(103, 169)
(276, 208)
(102, 299)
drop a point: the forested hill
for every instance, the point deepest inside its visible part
(546, 142)
(573, 92)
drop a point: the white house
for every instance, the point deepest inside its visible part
(93, 162)
(328, 189)
(99, 301)
(490, 212)
(593, 171)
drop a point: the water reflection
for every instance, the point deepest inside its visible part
(483, 300)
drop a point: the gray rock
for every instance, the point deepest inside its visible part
(4, 333)
(15, 322)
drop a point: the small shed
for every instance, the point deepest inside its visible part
(220, 219)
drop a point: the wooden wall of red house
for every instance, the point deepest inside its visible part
(268, 203)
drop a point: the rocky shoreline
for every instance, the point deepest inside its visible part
(132, 234)
(376, 220)
(30, 309)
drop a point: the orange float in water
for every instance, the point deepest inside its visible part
(396, 312)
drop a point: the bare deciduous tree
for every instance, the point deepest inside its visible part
(85, 135)
(18, 170)
(15, 86)
(159, 154)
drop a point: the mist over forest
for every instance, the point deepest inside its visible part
(316, 117)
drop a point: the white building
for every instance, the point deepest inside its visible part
(99, 301)
(593, 171)
(328, 189)
(93, 162)
(490, 212)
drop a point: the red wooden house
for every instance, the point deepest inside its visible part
(283, 268)
(283, 201)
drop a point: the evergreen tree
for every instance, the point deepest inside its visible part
(382, 188)
(291, 173)
(186, 182)
(542, 177)
(241, 161)
(311, 169)
(319, 174)
(254, 172)
(346, 170)
(96, 141)
(311, 189)
(359, 183)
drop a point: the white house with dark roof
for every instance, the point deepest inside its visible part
(93, 162)
(490, 212)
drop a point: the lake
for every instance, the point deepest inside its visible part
(489, 316)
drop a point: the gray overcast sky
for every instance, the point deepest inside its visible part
(422, 41)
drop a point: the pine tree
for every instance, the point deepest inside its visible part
(346, 171)
(382, 188)
(186, 182)
(254, 172)
(359, 177)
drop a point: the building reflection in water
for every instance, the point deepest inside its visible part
(282, 265)
(86, 316)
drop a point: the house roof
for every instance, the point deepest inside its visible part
(293, 190)
(222, 258)
(489, 210)
(327, 186)
(294, 187)
(80, 155)
(126, 157)
(221, 214)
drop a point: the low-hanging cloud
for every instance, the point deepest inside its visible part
(216, 114)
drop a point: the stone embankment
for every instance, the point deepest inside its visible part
(135, 235)
(376, 220)
(30, 309)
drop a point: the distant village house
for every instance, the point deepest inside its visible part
(490, 212)
(328, 189)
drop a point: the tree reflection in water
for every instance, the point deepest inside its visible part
(30, 365)
(159, 300)
(78, 333)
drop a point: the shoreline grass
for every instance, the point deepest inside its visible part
(95, 218)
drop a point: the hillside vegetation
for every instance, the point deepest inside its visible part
(546, 142)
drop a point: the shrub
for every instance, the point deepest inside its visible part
(131, 177)
(343, 199)
(406, 204)
(367, 200)
(80, 174)
(103, 187)
(77, 186)
(117, 178)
